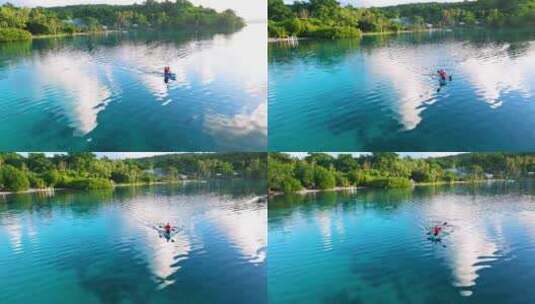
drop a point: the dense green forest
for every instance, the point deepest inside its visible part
(389, 170)
(329, 19)
(86, 172)
(20, 23)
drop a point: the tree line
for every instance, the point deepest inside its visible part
(84, 171)
(389, 170)
(20, 23)
(329, 19)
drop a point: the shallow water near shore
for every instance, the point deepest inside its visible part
(107, 247)
(381, 93)
(373, 247)
(107, 92)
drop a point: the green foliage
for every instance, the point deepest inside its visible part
(14, 34)
(388, 170)
(279, 174)
(278, 11)
(336, 32)
(52, 177)
(89, 184)
(122, 177)
(329, 19)
(36, 182)
(324, 179)
(148, 178)
(305, 173)
(390, 183)
(341, 180)
(92, 18)
(276, 31)
(290, 184)
(85, 171)
(13, 179)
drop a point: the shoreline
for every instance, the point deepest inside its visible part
(355, 188)
(77, 34)
(52, 189)
(294, 39)
(32, 190)
(308, 191)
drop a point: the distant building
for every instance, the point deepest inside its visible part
(403, 21)
(76, 22)
(461, 172)
(159, 172)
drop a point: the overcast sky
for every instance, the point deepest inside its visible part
(248, 9)
(368, 3)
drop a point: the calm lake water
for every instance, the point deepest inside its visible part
(372, 247)
(380, 93)
(107, 93)
(106, 248)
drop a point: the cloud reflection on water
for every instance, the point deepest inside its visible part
(475, 242)
(227, 75)
(492, 72)
(77, 75)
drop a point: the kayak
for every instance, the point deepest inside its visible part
(171, 76)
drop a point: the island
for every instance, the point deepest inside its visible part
(85, 171)
(22, 23)
(387, 170)
(329, 19)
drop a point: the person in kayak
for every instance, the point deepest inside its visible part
(437, 229)
(167, 73)
(443, 75)
(167, 228)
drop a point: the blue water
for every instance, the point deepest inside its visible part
(381, 93)
(107, 92)
(105, 247)
(372, 247)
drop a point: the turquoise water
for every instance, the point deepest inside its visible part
(380, 93)
(107, 93)
(105, 247)
(372, 247)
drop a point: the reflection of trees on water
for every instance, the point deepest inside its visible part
(388, 83)
(331, 52)
(123, 259)
(480, 214)
(84, 78)
(14, 50)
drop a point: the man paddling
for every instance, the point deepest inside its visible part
(167, 228)
(167, 74)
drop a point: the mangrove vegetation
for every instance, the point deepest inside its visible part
(20, 23)
(388, 170)
(330, 19)
(85, 171)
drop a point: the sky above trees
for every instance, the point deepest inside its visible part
(368, 3)
(247, 9)
(402, 154)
